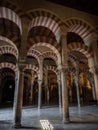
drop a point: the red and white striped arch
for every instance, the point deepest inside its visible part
(46, 22)
(72, 70)
(80, 27)
(52, 68)
(81, 70)
(45, 18)
(51, 55)
(9, 42)
(34, 53)
(8, 49)
(8, 65)
(72, 59)
(32, 67)
(76, 46)
(51, 47)
(10, 15)
(43, 39)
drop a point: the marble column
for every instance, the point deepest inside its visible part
(18, 97)
(70, 89)
(96, 84)
(65, 104)
(93, 87)
(40, 80)
(93, 61)
(46, 88)
(28, 89)
(77, 82)
(94, 70)
(0, 89)
(39, 95)
(31, 87)
(59, 90)
(64, 66)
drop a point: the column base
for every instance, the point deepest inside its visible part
(16, 126)
(66, 121)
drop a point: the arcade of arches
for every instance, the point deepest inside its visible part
(48, 56)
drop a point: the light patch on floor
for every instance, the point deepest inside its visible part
(46, 125)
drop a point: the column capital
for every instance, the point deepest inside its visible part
(94, 69)
(40, 59)
(32, 72)
(63, 34)
(22, 63)
(39, 81)
(62, 68)
(63, 31)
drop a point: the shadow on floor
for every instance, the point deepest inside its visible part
(83, 122)
(30, 127)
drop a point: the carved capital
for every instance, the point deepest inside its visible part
(39, 81)
(21, 64)
(62, 68)
(94, 69)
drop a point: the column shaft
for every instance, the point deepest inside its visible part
(59, 91)
(31, 87)
(18, 99)
(77, 83)
(93, 87)
(64, 66)
(39, 94)
(40, 78)
(96, 85)
(65, 97)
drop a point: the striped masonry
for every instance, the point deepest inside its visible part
(8, 49)
(76, 46)
(10, 15)
(8, 65)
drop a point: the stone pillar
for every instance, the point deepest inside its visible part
(96, 81)
(31, 87)
(93, 92)
(59, 90)
(39, 95)
(40, 79)
(0, 89)
(77, 82)
(93, 61)
(93, 87)
(28, 89)
(46, 88)
(70, 88)
(49, 90)
(18, 97)
(65, 103)
(94, 70)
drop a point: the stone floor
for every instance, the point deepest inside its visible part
(84, 119)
